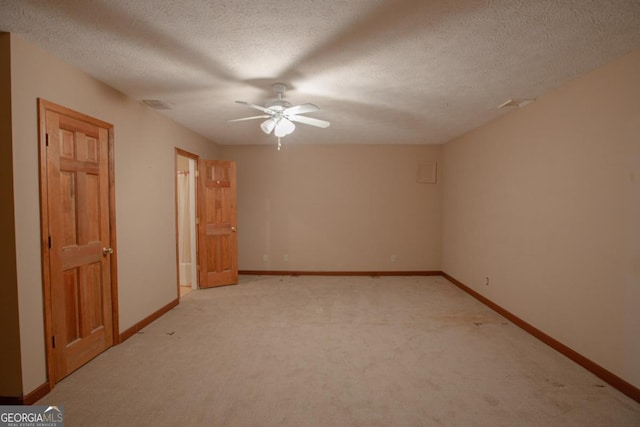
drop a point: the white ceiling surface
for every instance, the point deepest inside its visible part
(391, 72)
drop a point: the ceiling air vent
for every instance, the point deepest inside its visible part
(156, 104)
(516, 103)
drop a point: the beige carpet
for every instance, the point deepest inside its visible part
(336, 351)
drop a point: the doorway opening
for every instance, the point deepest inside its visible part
(186, 167)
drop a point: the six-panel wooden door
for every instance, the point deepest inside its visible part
(217, 214)
(79, 239)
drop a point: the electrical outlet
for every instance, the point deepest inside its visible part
(285, 258)
(394, 258)
(486, 281)
(265, 257)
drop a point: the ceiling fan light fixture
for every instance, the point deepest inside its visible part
(284, 127)
(287, 126)
(279, 132)
(267, 126)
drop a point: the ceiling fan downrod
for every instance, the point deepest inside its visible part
(280, 89)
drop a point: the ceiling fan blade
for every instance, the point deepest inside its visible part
(250, 118)
(301, 109)
(309, 121)
(257, 107)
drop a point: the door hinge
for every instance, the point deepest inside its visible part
(197, 221)
(46, 139)
(198, 267)
(197, 173)
(53, 341)
(49, 242)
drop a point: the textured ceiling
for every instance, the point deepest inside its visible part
(394, 71)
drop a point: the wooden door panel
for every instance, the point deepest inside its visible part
(225, 249)
(68, 200)
(71, 308)
(78, 354)
(219, 253)
(91, 206)
(94, 297)
(218, 241)
(77, 172)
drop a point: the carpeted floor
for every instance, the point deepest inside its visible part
(336, 351)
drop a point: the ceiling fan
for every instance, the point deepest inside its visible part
(280, 114)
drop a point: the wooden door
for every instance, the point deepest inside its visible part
(217, 222)
(79, 238)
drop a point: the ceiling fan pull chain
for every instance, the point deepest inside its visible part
(279, 144)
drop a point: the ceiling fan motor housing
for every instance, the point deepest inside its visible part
(277, 104)
(279, 88)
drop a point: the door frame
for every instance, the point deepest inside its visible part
(43, 106)
(196, 158)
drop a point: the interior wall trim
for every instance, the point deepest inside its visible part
(29, 399)
(36, 394)
(125, 335)
(338, 273)
(605, 375)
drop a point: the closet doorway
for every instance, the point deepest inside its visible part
(186, 167)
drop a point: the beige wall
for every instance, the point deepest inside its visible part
(336, 207)
(145, 171)
(11, 380)
(546, 203)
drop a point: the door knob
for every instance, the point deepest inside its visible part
(233, 229)
(106, 251)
